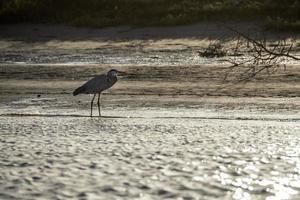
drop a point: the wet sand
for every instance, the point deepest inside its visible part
(169, 129)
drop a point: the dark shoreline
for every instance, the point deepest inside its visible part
(205, 30)
(272, 14)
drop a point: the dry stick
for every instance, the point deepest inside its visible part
(234, 66)
(263, 46)
(262, 54)
(263, 58)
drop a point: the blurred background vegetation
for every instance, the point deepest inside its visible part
(275, 14)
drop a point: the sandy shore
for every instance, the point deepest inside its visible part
(26, 37)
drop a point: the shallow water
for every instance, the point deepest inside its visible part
(51, 150)
(166, 132)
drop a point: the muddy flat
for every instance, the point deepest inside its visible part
(172, 128)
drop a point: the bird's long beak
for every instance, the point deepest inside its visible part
(121, 73)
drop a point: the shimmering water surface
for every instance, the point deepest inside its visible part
(147, 152)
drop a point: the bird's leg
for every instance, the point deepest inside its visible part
(99, 109)
(92, 105)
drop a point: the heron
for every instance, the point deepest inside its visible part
(97, 85)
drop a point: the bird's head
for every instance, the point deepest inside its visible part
(114, 73)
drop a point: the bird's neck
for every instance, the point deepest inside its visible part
(112, 78)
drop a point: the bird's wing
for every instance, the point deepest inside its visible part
(96, 84)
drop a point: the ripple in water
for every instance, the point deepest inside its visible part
(62, 158)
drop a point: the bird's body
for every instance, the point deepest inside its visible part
(97, 85)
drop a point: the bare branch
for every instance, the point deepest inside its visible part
(262, 58)
(263, 45)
